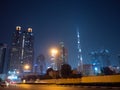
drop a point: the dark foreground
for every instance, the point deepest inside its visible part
(56, 87)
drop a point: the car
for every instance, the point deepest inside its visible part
(4, 84)
(12, 83)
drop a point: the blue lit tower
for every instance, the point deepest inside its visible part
(104, 58)
(80, 60)
(95, 61)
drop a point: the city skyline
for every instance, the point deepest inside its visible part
(55, 21)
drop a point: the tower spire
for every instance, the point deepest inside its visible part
(80, 60)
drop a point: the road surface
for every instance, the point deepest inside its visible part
(56, 87)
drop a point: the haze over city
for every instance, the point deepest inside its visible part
(53, 21)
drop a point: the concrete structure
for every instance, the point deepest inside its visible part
(110, 79)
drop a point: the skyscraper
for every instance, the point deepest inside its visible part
(15, 50)
(59, 56)
(22, 51)
(27, 51)
(62, 57)
(80, 60)
(40, 64)
(3, 48)
(62, 53)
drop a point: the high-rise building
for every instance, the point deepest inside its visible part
(95, 62)
(59, 56)
(80, 60)
(104, 58)
(15, 50)
(3, 48)
(62, 53)
(88, 70)
(40, 64)
(22, 51)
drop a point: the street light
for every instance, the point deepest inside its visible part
(26, 67)
(54, 52)
(17, 72)
(54, 58)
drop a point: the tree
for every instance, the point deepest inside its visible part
(48, 71)
(66, 71)
(107, 71)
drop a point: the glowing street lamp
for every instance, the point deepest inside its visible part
(54, 52)
(26, 67)
(54, 57)
(17, 72)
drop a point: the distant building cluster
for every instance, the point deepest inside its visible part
(100, 60)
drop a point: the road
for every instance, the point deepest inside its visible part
(56, 87)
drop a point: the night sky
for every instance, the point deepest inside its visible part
(53, 21)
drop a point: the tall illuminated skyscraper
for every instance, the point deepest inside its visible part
(59, 56)
(80, 60)
(62, 53)
(27, 51)
(21, 51)
(15, 50)
(62, 57)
